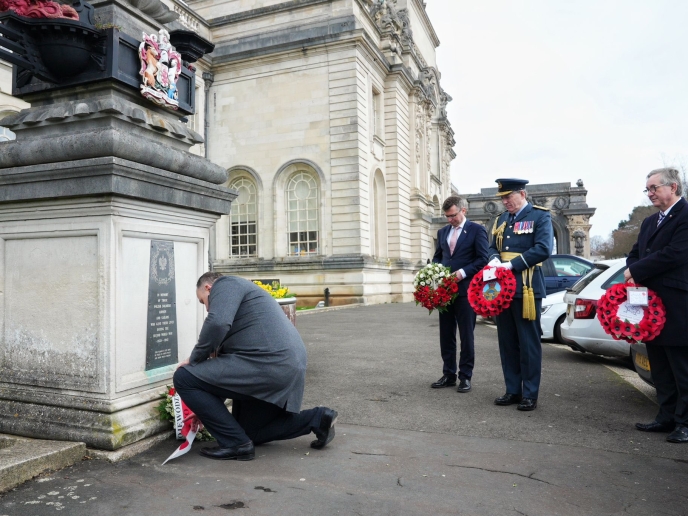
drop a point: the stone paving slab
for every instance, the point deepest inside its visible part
(22, 459)
(577, 454)
(368, 471)
(375, 366)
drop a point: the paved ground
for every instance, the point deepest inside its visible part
(402, 448)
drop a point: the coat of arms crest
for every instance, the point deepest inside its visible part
(161, 66)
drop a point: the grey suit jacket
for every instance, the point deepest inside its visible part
(260, 353)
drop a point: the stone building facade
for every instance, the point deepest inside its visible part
(331, 120)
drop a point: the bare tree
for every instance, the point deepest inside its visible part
(626, 234)
(601, 246)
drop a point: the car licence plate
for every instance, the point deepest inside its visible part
(642, 361)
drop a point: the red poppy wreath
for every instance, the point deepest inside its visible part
(490, 298)
(631, 323)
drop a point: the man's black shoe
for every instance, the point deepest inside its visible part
(527, 404)
(508, 399)
(680, 435)
(325, 432)
(448, 380)
(245, 451)
(655, 426)
(464, 385)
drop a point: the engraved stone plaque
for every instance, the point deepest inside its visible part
(161, 342)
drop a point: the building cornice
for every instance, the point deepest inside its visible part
(264, 11)
(309, 37)
(426, 21)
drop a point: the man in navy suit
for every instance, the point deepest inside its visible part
(461, 246)
(659, 261)
(522, 240)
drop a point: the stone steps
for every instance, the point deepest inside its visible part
(22, 458)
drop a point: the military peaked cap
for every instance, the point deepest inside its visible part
(506, 186)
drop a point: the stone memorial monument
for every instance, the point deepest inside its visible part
(104, 218)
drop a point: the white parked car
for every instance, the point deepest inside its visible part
(552, 316)
(581, 329)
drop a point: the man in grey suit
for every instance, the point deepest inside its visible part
(249, 352)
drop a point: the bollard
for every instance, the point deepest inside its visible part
(327, 297)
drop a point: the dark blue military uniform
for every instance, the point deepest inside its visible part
(525, 242)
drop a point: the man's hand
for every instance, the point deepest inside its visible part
(194, 423)
(504, 265)
(183, 363)
(628, 277)
(458, 274)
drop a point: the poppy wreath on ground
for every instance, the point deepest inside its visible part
(435, 287)
(648, 321)
(490, 298)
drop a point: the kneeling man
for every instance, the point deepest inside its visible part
(248, 351)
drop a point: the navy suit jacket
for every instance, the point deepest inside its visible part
(534, 247)
(659, 261)
(470, 253)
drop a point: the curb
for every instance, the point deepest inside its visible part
(22, 458)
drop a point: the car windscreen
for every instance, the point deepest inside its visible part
(617, 278)
(579, 285)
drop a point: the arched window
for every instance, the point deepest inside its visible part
(378, 213)
(243, 227)
(302, 214)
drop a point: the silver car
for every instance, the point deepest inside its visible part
(581, 329)
(552, 316)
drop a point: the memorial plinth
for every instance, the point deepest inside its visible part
(104, 230)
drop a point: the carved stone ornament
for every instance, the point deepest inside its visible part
(561, 203)
(428, 138)
(161, 65)
(39, 9)
(420, 129)
(490, 207)
(579, 239)
(445, 99)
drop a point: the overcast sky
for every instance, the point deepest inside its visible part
(560, 90)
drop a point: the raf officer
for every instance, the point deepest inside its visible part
(521, 239)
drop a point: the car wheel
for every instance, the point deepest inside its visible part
(557, 330)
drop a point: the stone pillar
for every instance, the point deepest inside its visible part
(96, 175)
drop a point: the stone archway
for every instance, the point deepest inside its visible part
(567, 204)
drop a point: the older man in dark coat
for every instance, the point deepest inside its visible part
(249, 352)
(659, 261)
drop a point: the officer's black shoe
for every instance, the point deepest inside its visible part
(464, 385)
(245, 451)
(655, 426)
(508, 399)
(448, 380)
(527, 404)
(680, 435)
(325, 431)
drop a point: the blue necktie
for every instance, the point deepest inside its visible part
(661, 218)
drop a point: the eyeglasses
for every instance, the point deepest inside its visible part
(653, 188)
(453, 216)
